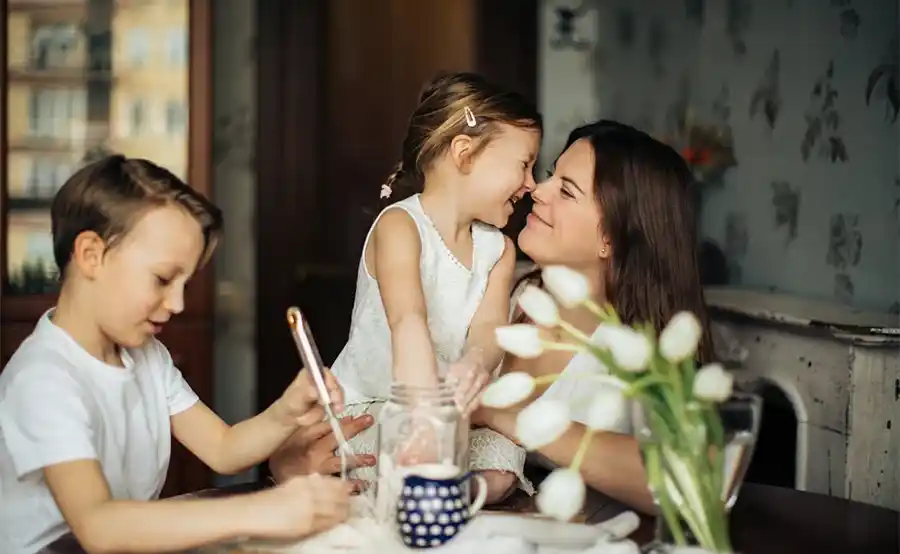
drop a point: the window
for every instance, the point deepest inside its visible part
(39, 251)
(176, 116)
(53, 45)
(138, 41)
(56, 112)
(46, 176)
(137, 117)
(176, 47)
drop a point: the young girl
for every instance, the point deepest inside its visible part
(90, 401)
(435, 273)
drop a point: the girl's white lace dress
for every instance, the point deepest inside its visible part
(453, 293)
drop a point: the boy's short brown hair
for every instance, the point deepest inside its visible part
(110, 195)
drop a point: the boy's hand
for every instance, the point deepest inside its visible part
(303, 506)
(300, 403)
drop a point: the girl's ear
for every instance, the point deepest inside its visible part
(461, 149)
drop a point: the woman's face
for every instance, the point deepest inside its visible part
(564, 226)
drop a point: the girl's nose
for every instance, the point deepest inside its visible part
(530, 184)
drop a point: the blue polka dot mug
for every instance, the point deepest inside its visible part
(433, 507)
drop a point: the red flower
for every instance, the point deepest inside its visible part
(695, 156)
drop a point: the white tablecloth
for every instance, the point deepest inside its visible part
(489, 532)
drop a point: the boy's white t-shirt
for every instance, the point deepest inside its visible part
(57, 404)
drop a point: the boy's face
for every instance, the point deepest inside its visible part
(139, 284)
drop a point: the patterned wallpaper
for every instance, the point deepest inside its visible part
(809, 91)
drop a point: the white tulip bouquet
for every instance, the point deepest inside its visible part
(682, 439)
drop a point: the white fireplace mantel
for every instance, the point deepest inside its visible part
(840, 368)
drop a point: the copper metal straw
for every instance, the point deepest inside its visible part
(309, 353)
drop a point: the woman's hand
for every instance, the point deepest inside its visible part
(312, 450)
(302, 506)
(300, 403)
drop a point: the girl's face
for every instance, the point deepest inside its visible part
(501, 173)
(564, 226)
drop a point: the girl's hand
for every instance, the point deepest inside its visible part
(469, 377)
(303, 506)
(300, 403)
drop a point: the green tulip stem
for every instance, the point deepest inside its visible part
(578, 459)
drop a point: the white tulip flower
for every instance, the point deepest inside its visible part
(679, 340)
(561, 494)
(713, 383)
(542, 422)
(520, 340)
(619, 547)
(508, 390)
(630, 349)
(608, 410)
(539, 306)
(568, 286)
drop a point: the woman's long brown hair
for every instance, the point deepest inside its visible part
(643, 190)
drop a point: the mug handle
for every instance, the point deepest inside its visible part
(478, 503)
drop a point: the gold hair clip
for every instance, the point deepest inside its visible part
(470, 117)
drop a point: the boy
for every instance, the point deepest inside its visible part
(90, 401)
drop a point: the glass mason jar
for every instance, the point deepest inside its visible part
(418, 425)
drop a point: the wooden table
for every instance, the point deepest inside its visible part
(765, 520)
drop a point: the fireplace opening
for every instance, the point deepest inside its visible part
(775, 458)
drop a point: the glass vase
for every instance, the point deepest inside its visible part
(696, 462)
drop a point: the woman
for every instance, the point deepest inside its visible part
(617, 208)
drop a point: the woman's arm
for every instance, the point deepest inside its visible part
(103, 525)
(612, 464)
(395, 253)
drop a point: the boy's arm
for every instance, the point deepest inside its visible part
(493, 312)
(104, 525)
(49, 428)
(230, 449)
(396, 251)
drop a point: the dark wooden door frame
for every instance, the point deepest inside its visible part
(291, 55)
